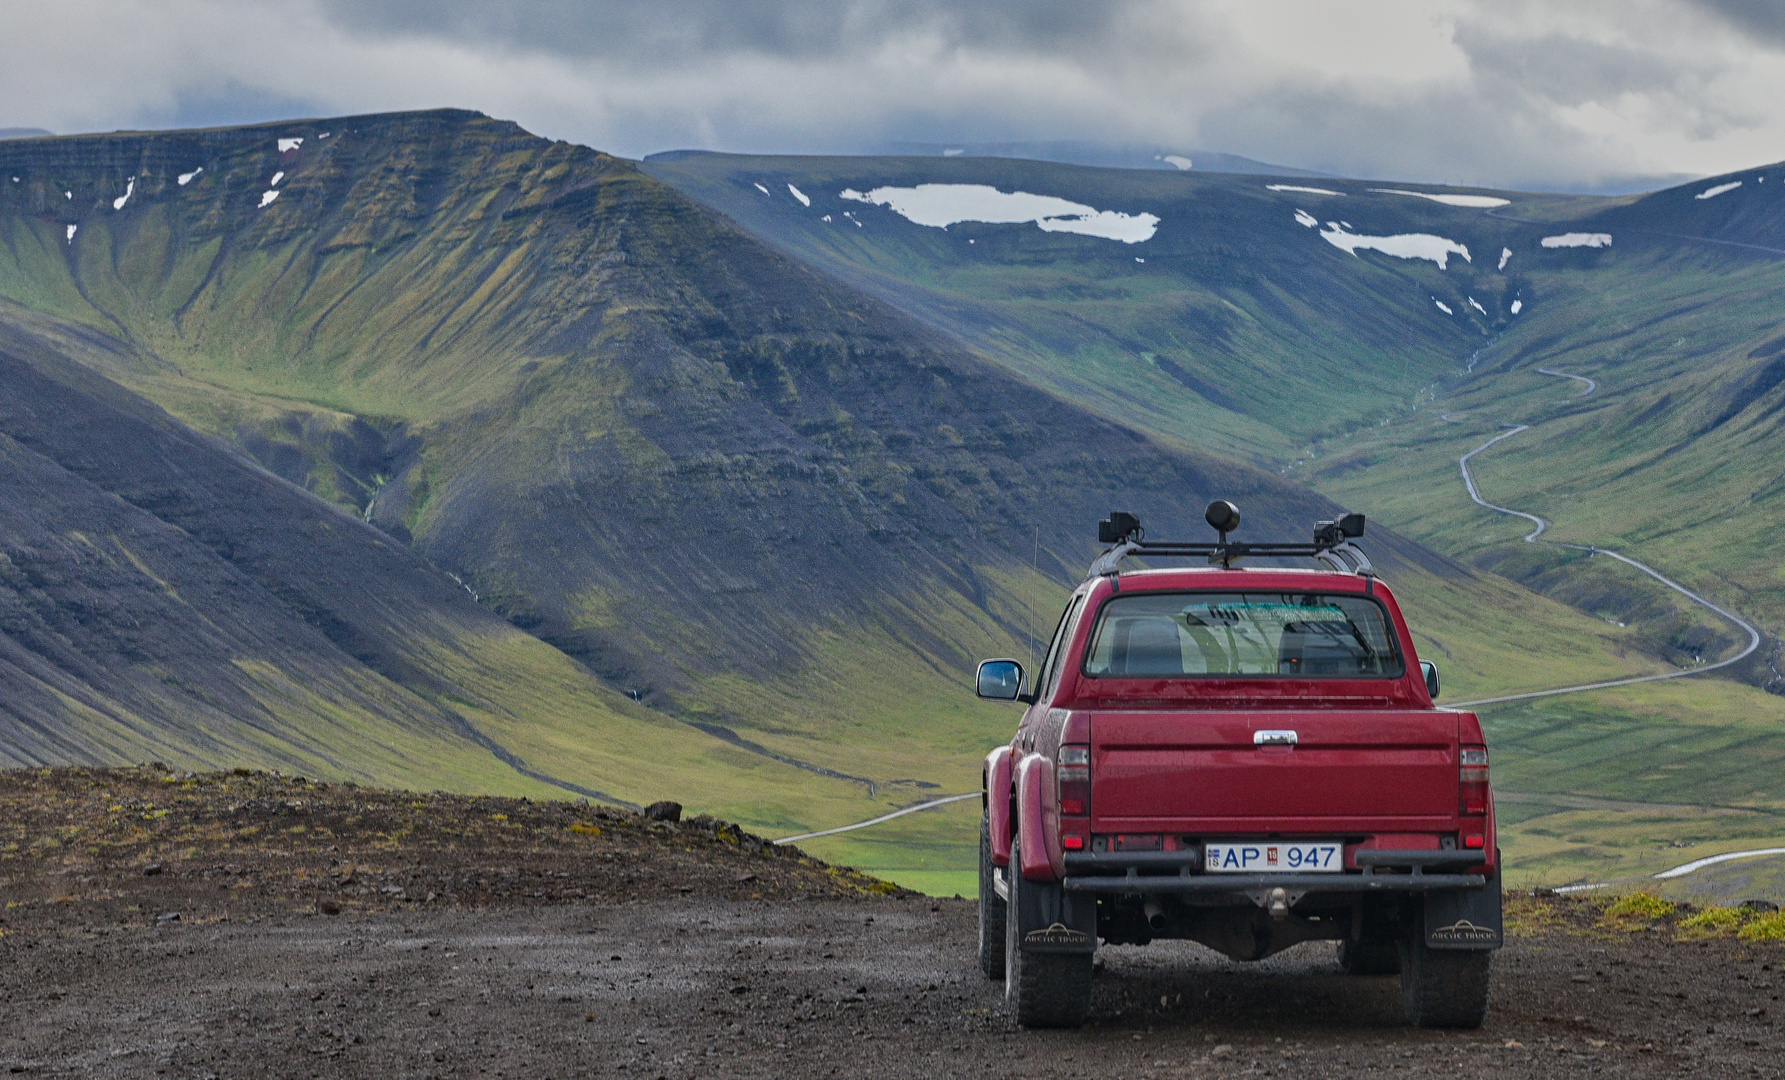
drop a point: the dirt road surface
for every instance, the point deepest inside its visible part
(669, 966)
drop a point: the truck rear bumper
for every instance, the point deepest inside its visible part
(1152, 872)
(1306, 884)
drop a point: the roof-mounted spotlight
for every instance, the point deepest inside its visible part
(1118, 527)
(1223, 517)
(1348, 527)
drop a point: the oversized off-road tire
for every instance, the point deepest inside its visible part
(1043, 989)
(1444, 988)
(1369, 957)
(991, 908)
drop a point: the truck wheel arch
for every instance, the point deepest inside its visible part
(999, 801)
(1041, 858)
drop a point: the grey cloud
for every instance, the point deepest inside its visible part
(1667, 88)
(1569, 71)
(1763, 18)
(684, 30)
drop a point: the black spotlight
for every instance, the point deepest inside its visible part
(1223, 517)
(1117, 527)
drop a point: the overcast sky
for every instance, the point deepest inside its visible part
(1506, 93)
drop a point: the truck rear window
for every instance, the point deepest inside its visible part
(1297, 635)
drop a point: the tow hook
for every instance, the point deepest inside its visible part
(1278, 905)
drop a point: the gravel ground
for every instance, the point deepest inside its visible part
(679, 952)
(817, 988)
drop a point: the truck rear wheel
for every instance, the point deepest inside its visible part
(1444, 988)
(1369, 957)
(991, 908)
(1043, 989)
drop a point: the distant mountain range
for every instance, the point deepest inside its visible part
(760, 507)
(419, 448)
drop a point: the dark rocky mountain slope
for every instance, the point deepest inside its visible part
(738, 490)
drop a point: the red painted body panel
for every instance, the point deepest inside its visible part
(1041, 858)
(997, 803)
(1375, 759)
(1200, 772)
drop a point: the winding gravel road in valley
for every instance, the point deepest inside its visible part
(1532, 538)
(883, 817)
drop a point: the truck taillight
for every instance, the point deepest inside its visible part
(1472, 774)
(1072, 774)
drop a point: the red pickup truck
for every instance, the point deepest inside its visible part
(1246, 757)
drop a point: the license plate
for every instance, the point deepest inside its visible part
(1273, 857)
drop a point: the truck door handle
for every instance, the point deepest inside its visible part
(1274, 738)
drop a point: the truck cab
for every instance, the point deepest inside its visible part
(1249, 757)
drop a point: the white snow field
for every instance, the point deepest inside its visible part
(1304, 190)
(1183, 163)
(764, 190)
(1505, 254)
(1442, 306)
(278, 176)
(186, 177)
(288, 145)
(1438, 249)
(1477, 305)
(1517, 306)
(800, 195)
(942, 205)
(1478, 202)
(1302, 217)
(1713, 192)
(266, 198)
(1577, 239)
(129, 186)
(71, 229)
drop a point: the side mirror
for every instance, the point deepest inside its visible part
(1431, 674)
(1000, 680)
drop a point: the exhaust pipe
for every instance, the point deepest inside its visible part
(1155, 914)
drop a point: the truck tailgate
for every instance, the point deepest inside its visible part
(1205, 773)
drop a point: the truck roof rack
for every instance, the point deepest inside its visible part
(1332, 544)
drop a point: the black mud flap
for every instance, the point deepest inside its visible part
(1054, 920)
(1465, 918)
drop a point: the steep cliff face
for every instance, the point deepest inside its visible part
(741, 493)
(627, 425)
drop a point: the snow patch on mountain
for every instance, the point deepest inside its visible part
(1303, 190)
(1438, 249)
(286, 146)
(1505, 254)
(1478, 202)
(129, 189)
(941, 205)
(764, 190)
(186, 177)
(1305, 218)
(266, 198)
(1577, 239)
(800, 195)
(1442, 306)
(1183, 163)
(1713, 192)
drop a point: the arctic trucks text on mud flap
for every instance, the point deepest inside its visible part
(1244, 757)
